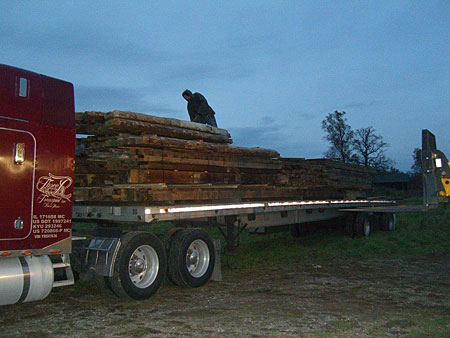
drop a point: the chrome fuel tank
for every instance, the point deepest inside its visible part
(25, 279)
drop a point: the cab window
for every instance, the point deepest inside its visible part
(23, 85)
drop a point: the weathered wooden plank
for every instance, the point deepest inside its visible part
(142, 127)
(127, 115)
(154, 141)
(180, 177)
(346, 166)
(90, 117)
(186, 157)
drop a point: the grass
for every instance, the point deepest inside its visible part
(417, 325)
(430, 327)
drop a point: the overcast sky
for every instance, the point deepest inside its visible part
(272, 70)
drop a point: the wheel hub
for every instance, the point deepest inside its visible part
(139, 266)
(193, 258)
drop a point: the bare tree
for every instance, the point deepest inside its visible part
(339, 135)
(370, 149)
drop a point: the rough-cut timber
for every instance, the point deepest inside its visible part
(166, 121)
(137, 158)
(160, 194)
(336, 175)
(139, 127)
(159, 142)
(116, 122)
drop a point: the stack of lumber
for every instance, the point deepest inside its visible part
(314, 173)
(137, 158)
(339, 175)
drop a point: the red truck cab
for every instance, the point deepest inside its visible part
(37, 133)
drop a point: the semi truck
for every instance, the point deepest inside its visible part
(37, 209)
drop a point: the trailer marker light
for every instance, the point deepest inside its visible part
(5, 254)
(28, 253)
(55, 251)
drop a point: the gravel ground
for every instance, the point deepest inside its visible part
(335, 298)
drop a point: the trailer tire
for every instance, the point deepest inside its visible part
(299, 229)
(140, 266)
(349, 226)
(191, 258)
(167, 240)
(167, 237)
(363, 225)
(387, 222)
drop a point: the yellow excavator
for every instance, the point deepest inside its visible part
(435, 171)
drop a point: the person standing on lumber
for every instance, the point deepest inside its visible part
(199, 109)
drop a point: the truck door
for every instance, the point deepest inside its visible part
(17, 167)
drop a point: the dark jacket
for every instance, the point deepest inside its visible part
(198, 106)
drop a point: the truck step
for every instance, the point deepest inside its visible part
(63, 283)
(64, 264)
(61, 265)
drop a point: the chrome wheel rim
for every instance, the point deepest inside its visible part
(366, 227)
(143, 266)
(391, 225)
(197, 258)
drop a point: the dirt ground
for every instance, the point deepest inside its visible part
(336, 298)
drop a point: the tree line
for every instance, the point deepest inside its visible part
(362, 146)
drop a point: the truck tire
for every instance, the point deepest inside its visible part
(103, 285)
(363, 225)
(140, 266)
(387, 222)
(191, 258)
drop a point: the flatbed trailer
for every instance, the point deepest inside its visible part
(255, 214)
(37, 208)
(232, 219)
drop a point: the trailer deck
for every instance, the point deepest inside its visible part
(150, 214)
